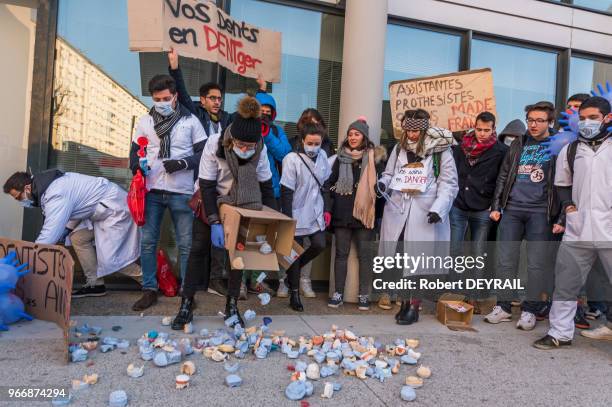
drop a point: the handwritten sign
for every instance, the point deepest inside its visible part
(453, 100)
(411, 178)
(46, 290)
(200, 30)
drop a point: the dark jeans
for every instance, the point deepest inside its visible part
(182, 217)
(363, 239)
(201, 268)
(535, 228)
(317, 245)
(478, 223)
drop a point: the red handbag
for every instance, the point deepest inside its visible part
(166, 281)
(136, 198)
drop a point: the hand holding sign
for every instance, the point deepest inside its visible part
(173, 59)
(201, 30)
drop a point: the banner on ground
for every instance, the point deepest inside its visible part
(199, 29)
(46, 290)
(453, 100)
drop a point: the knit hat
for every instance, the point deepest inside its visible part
(360, 125)
(247, 122)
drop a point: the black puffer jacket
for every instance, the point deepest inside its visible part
(341, 206)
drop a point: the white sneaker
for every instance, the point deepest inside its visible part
(527, 321)
(498, 315)
(602, 333)
(306, 288)
(283, 290)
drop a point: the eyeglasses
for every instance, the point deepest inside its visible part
(536, 121)
(215, 98)
(241, 145)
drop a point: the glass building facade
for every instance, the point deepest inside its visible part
(99, 87)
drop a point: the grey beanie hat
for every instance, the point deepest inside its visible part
(361, 126)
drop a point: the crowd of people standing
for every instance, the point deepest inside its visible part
(528, 184)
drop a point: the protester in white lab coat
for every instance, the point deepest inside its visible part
(418, 211)
(304, 174)
(176, 139)
(584, 181)
(234, 169)
(72, 204)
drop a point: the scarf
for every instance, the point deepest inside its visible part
(245, 192)
(473, 149)
(365, 197)
(163, 127)
(436, 140)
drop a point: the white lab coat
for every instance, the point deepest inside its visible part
(75, 197)
(307, 206)
(591, 192)
(213, 168)
(408, 213)
(187, 132)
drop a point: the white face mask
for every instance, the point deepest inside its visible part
(26, 203)
(164, 108)
(508, 140)
(312, 151)
(589, 129)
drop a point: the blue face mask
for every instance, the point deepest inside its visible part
(312, 151)
(164, 108)
(245, 155)
(26, 203)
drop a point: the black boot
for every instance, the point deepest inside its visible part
(294, 301)
(410, 314)
(401, 310)
(185, 314)
(231, 309)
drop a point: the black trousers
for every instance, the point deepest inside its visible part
(363, 239)
(317, 245)
(205, 262)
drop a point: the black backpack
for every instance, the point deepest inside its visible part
(572, 149)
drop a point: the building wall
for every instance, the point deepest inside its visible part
(17, 34)
(90, 108)
(527, 20)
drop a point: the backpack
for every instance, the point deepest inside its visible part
(572, 149)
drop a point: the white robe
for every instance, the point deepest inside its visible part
(408, 213)
(75, 197)
(591, 192)
(307, 206)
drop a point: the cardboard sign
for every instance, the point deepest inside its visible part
(453, 100)
(242, 228)
(411, 178)
(199, 29)
(46, 290)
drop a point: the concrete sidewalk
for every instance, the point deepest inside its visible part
(494, 366)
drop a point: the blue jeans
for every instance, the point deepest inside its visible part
(182, 218)
(479, 225)
(534, 227)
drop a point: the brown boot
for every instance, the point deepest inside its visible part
(148, 299)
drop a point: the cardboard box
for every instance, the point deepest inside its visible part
(286, 261)
(245, 225)
(449, 316)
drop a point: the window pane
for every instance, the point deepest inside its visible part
(311, 62)
(603, 5)
(521, 76)
(585, 74)
(408, 54)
